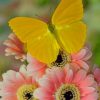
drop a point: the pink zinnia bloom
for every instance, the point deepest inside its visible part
(64, 84)
(15, 47)
(17, 85)
(77, 61)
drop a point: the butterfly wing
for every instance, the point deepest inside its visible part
(45, 48)
(26, 28)
(72, 37)
(68, 11)
(40, 42)
(70, 31)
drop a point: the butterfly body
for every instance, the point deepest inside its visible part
(65, 31)
(52, 29)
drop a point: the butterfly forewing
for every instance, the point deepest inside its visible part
(41, 44)
(68, 11)
(26, 28)
(44, 48)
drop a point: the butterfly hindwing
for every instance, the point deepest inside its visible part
(72, 37)
(45, 48)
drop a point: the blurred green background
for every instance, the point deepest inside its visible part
(43, 9)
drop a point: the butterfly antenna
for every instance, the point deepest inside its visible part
(50, 9)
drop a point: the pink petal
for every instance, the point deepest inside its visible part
(42, 93)
(88, 81)
(86, 90)
(80, 75)
(60, 75)
(83, 65)
(69, 76)
(97, 74)
(92, 96)
(47, 84)
(79, 55)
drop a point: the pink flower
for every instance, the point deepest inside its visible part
(15, 47)
(17, 85)
(64, 84)
(96, 73)
(77, 61)
(35, 68)
(80, 59)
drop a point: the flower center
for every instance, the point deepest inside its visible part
(62, 60)
(26, 92)
(67, 92)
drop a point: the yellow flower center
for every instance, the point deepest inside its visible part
(67, 92)
(62, 60)
(25, 92)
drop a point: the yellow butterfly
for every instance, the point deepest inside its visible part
(65, 31)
